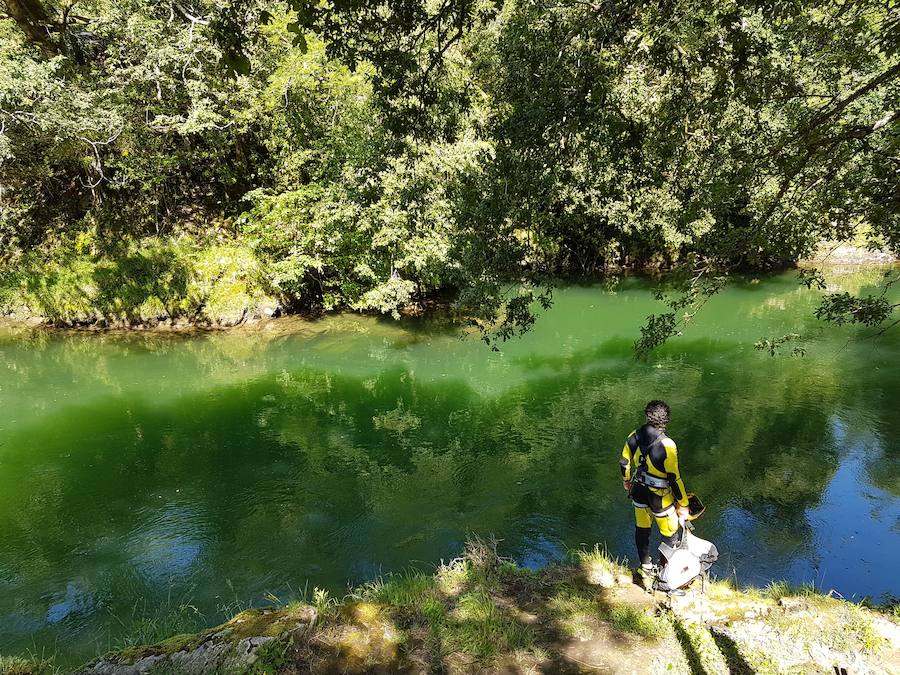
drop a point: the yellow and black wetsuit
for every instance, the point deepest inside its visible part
(650, 462)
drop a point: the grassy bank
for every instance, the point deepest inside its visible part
(481, 613)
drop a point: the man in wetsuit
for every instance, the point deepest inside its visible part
(650, 473)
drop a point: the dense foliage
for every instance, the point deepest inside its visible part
(370, 154)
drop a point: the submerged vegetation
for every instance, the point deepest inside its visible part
(211, 160)
(481, 613)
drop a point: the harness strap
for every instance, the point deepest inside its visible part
(641, 474)
(666, 511)
(652, 481)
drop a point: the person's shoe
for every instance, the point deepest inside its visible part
(644, 576)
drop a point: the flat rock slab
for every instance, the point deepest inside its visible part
(231, 647)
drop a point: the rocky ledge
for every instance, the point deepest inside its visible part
(234, 647)
(483, 614)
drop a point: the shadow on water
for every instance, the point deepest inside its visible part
(305, 475)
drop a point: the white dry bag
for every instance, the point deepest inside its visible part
(687, 559)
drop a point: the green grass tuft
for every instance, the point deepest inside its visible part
(573, 612)
(273, 657)
(404, 590)
(776, 590)
(598, 565)
(158, 623)
(700, 650)
(415, 593)
(480, 628)
(16, 665)
(859, 626)
(454, 577)
(630, 620)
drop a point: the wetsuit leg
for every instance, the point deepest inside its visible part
(669, 530)
(642, 541)
(670, 541)
(643, 520)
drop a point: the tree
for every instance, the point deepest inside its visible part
(375, 153)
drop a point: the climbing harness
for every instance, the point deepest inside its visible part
(644, 478)
(641, 471)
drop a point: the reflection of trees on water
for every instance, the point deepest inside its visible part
(328, 477)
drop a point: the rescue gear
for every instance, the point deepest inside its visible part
(650, 459)
(644, 478)
(696, 508)
(687, 558)
(650, 463)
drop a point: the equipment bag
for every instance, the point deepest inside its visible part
(690, 557)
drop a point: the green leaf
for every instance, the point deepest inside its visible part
(236, 64)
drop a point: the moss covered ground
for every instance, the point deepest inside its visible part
(160, 281)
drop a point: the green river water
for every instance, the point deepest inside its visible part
(155, 482)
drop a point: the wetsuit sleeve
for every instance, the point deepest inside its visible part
(625, 462)
(674, 475)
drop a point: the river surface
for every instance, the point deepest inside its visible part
(157, 483)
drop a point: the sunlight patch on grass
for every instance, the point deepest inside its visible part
(776, 590)
(630, 620)
(452, 577)
(415, 594)
(700, 650)
(598, 566)
(402, 590)
(575, 609)
(860, 626)
(843, 627)
(574, 612)
(479, 628)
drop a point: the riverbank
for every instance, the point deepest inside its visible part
(160, 283)
(184, 284)
(481, 613)
(831, 254)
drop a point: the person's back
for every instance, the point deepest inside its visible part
(649, 467)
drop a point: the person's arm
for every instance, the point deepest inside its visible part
(625, 466)
(674, 475)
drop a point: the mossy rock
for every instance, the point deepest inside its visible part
(235, 646)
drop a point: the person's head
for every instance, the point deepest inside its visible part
(657, 414)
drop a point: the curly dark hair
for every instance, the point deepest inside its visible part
(658, 414)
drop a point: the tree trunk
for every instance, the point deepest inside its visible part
(32, 19)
